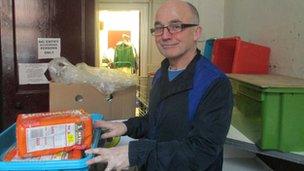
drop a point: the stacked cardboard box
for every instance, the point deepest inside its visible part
(120, 105)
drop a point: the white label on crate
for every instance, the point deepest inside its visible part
(48, 137)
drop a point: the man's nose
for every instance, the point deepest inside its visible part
(166, 33)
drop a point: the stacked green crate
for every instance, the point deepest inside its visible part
(269, 110)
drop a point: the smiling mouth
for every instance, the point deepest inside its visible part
(168, 45)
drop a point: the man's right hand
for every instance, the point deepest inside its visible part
(112, 129)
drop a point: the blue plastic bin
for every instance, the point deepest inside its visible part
(208, 48)
(8, 139)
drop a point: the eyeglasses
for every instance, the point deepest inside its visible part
(172, 28)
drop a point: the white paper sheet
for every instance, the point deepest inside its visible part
(32, 73)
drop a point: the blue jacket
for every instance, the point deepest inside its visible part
(170, 137)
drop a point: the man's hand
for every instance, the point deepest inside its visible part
(113, 129)
(116, 157)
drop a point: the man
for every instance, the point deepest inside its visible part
(171, 137)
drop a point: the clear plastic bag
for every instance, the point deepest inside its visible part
(105, 80)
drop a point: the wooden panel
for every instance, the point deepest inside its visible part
(269, 80)
(7, 59)
(89, 29)
(1, 95)
(22, 23)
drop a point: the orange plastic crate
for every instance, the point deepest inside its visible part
(232, 55)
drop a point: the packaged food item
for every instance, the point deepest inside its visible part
(12, 155)
(40, 134)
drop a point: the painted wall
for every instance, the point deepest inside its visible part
(155, 57)
(278, 24)
(211, 18)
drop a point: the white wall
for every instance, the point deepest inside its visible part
(278, 24)
(211, 18)
(155, 57)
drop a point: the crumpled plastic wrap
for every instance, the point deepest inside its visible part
(105, 80)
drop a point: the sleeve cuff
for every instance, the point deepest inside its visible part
(129, 127)
(139, 151)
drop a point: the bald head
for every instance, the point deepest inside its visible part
(194, 13)
(181, 8)
(177, 32)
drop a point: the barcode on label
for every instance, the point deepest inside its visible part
(51, 136)
(36, 133)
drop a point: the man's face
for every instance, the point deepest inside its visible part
(175, 45)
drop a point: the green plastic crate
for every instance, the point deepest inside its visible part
(269, 110)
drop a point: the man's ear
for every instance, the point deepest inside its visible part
(197, 33)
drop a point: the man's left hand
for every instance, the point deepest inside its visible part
(116, 157)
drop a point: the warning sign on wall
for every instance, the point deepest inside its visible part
(49, 48)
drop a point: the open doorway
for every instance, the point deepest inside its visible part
(121, 42)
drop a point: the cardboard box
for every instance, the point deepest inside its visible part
(84, 96)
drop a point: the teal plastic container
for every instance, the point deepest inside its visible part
(269, 110)
(208, 48)
(8, 139)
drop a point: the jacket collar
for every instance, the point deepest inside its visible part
(182, 82)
